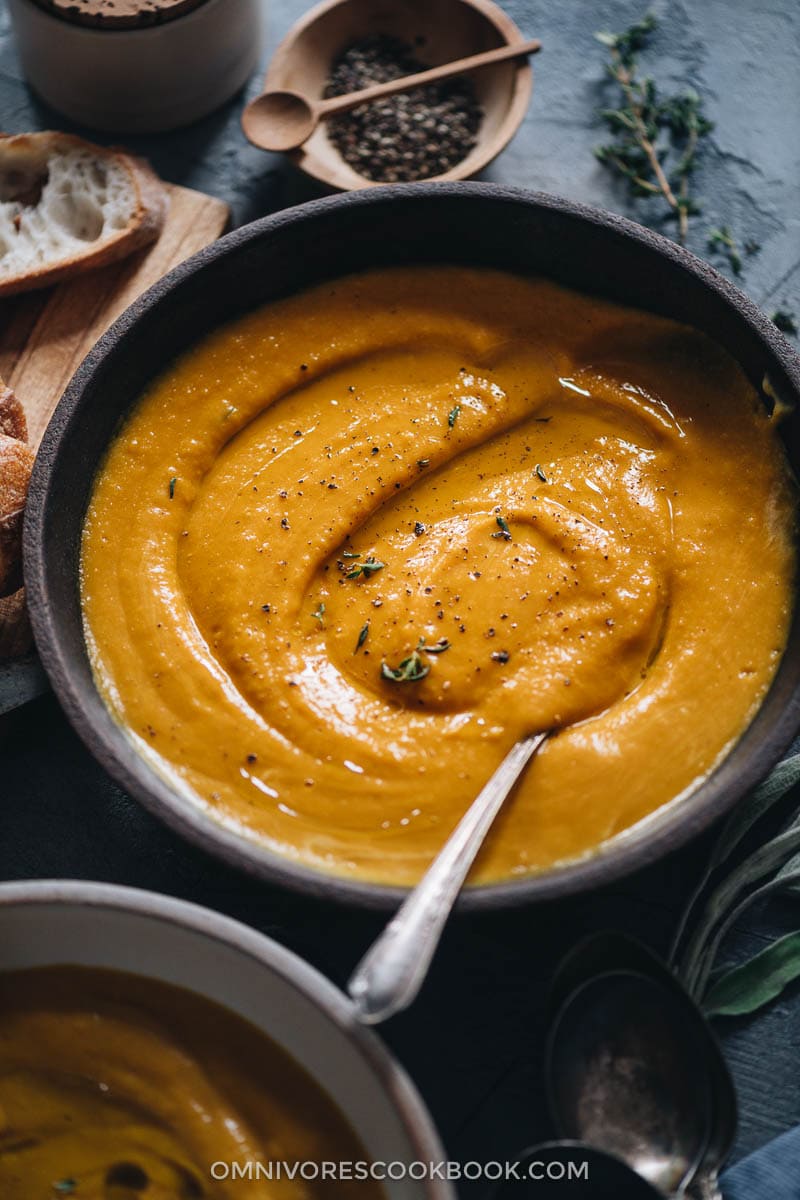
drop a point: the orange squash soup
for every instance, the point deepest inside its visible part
(352, 546)
(113, 1086)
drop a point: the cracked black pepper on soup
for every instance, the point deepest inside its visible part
(413, 135)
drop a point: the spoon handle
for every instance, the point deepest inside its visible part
(392, 971)
(704, 1187)
(336, 104)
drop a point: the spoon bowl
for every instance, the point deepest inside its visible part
(284, 118)
(608, 951)
(627, 1071)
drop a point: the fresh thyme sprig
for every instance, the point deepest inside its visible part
(369, 566)
(437, 647)
(410, 670)
(502, 529)
(363, 634)
(414, 668)
(722, 239)
(655, 142)
(785, 320)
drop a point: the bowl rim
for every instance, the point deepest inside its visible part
(630, 850)
(400, 1090)
(518, 102)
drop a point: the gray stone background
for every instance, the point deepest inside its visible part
(474, 1041)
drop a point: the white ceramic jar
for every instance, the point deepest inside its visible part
(140, 80)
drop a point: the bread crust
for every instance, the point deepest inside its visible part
(16, 464)
(152, 202)
(12, 415)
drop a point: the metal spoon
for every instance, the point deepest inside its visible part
(629, 1071)
(391, 973)
(609, 950)
(283, 120)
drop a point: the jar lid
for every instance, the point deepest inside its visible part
(118, 14)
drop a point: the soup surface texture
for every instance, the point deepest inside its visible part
(351, 547)
(115, 1086)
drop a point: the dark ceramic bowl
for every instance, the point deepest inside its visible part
(476, 224)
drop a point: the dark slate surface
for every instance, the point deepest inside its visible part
(474, 1041)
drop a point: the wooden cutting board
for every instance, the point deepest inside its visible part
(44, 336)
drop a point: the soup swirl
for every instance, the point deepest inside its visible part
(351, 547)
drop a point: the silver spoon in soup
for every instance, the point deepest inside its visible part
(389, 976)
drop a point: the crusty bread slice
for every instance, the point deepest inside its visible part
(16, 463)
(12, 415)
(67, 205)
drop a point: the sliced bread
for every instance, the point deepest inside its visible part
(67, 205)
(16, 463)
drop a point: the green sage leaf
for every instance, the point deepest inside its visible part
(763, 862)
(708, 954)
(756, 982)
(746, 814)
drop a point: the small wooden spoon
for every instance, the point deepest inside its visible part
(393, 970)
(284, 120)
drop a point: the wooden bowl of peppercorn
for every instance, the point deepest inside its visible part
(450, 130)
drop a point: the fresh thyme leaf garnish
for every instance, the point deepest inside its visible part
(351, 554)
(362, 636)
(539, 470)
(319, 614)
(410, 670)
(785, 320)
(453, 415)
(723, 240)
(502, 531)
(368, 567)
(172, 483)
(654, 142)
(437, 648)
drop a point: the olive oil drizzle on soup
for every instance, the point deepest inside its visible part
(352, 546)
